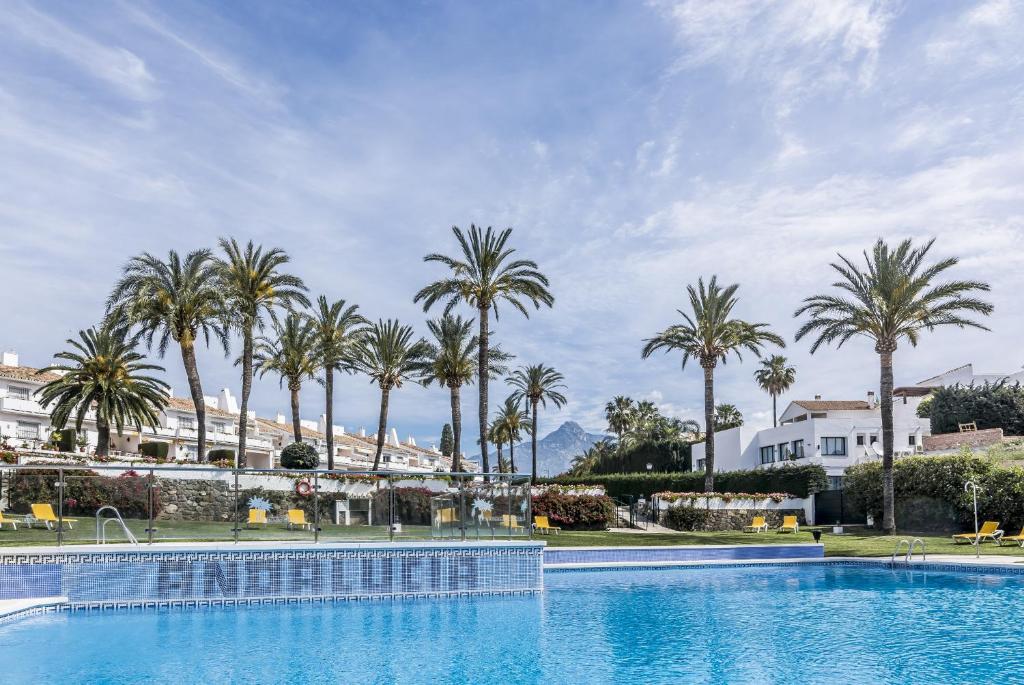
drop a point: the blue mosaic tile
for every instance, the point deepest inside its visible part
(652, 554)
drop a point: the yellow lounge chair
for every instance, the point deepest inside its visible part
(1019, 539)
(3, 520)
(542, 525)
(446, 516)
(257, 517)
(988, 531)
(44, 513)
(297, 517)
(789, 525)
(758, 525)
(510, 521)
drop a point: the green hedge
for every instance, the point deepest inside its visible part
(799, 480)
(997, 405)
(299, 455)
(575, 512)
(154, 449)
(221, 455)
(665, 456)
(930, 492)
(84, 492)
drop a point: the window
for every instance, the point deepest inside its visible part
(860, 439)
(700, 464)
(833, 447)
(913, 440)
(768, 454)
(798, 449)
(819, 415)
(835, 482)
(186, 422)
(784, 451)
(27, 430)
(219, 426)
(17, 392)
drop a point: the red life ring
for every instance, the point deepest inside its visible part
(303, 488)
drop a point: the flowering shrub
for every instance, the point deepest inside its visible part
(575, 512)
(9, 457)
(568, 489)
(724, 496)
(85, 492)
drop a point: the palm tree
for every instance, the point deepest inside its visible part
(387, 353)
(619, 412)
(451, 360)
(485, 275)
(174, 300)
(515, 422)
(893, 297)
(709, 335)
(539, 384)
(336, 325)
(727, 416)
(103, 372)
(775, 378)
(253, 284)
(291, 353)
(497, 433)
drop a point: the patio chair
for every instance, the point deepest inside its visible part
(789, 525)
(4, 519)
(1019, 539)
(757, 525)
(257, 517)
(543, 526)
(988, 531)
(44, 512)
(297, 517)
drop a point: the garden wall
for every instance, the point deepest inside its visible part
(718, 514)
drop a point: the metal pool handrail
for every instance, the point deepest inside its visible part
(911, 545)
(101, 530)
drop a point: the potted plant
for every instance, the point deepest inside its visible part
(82, 442)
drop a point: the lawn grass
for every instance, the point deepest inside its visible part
(861, 543)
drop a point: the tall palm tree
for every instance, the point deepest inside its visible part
(103, 371)
(893, 297)
(727, 416)
(336, 325)
(709, 335)
(253, 285)
(619, 412)
(387, 353)
(775, 377)
(515, 423)
(178, 300)
(451, 360)
(291, 353)
(485, 275)
(497, 433)
(539, 384)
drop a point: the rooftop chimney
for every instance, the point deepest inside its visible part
(410, 441)
(394, 437)
(10, 358)
(871, 398)
(362, 432)
(279, 418)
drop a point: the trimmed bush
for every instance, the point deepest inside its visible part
(412, 506)
(154, 449)
(995, 405)
(798, 480)
(221, 455)
(687, 518)
(575, 512)
(930, 492)
(299, 455)
(85, 492)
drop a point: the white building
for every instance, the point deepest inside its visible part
(25, 423)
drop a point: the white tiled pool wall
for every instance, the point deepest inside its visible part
(144, 578)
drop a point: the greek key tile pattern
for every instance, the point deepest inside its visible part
(195, 578)
(649, 554)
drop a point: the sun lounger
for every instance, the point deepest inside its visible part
(789, 525)
(297, 517)
(758, 525)
(1019, 539)
(257, 517)
(11, 521)
(542, 525)
(44, 512)
(510, 521)
(988, 531)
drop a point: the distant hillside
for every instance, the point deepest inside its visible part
(555, 450)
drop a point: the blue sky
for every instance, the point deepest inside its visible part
(633, 147)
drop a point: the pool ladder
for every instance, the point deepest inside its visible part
(911, 545)
(101, 529)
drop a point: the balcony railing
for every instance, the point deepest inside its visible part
(16, 404)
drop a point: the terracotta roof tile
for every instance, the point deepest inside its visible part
(912, 391)
(185, 404)
(26, 373)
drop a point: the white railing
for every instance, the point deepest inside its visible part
(22, 406)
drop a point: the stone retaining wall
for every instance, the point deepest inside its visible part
(195, 500)
(952, 441)
(701, 519)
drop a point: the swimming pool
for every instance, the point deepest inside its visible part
(822, 622)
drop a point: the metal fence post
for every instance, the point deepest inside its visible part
(391, 510)
(316, 508)
(462, 507)
(238, 523)
(529, 507)
(150, 486)
(60, 507)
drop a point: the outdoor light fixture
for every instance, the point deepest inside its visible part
(650, 466)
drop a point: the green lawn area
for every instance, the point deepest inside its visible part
(867, 544)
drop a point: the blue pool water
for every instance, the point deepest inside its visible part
(778, 624)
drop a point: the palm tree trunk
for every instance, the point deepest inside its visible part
(188, 357)
(243, 416)
(888, 499)
(512, 456)
(533, 444)
(456, 429)
(296, 421)
(709, 430)
(501, 469)
(381, 426)
(775, 412)
(102, 437)
(329, 411)
(482, 380)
